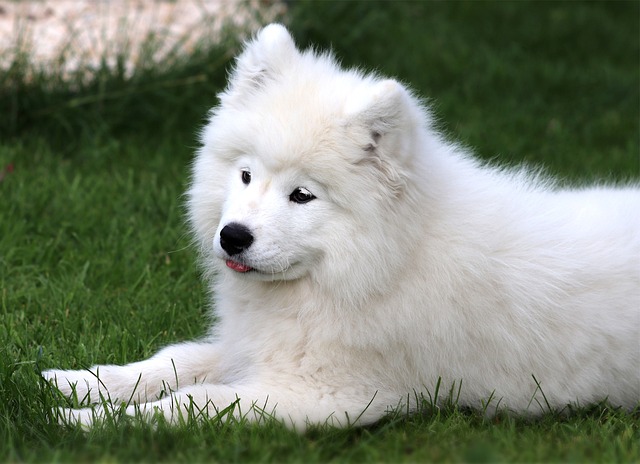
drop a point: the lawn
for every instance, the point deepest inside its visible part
(96, 264)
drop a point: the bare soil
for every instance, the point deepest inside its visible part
(78, 34)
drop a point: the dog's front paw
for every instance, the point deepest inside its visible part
(104, 413)
(84, 385)
(87, 418)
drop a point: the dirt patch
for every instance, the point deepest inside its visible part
(78, 34)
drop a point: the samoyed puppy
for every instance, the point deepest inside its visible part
(358, 260)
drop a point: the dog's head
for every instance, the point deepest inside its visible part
(302, 165)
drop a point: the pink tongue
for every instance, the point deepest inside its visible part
(237, 266)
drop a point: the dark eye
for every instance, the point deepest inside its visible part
(246, 176)
(301, 195)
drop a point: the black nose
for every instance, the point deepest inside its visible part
(234, 238)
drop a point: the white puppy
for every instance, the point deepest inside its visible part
(356, 258)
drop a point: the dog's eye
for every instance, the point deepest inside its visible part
(301, 195)
(246, 176)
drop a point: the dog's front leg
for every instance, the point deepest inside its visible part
(199, 402)
(171, 368)
(296, 407)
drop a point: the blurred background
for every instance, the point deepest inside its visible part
(555, 82)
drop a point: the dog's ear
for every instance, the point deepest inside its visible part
(263, 58)
(378, 106)
(379, 117)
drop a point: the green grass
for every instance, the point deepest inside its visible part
(96, 265)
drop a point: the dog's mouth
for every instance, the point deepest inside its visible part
(238, 267)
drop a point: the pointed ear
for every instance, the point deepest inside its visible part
(263, 58)
(379, 120)
(380, 106)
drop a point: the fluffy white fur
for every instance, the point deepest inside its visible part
(413, 262)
